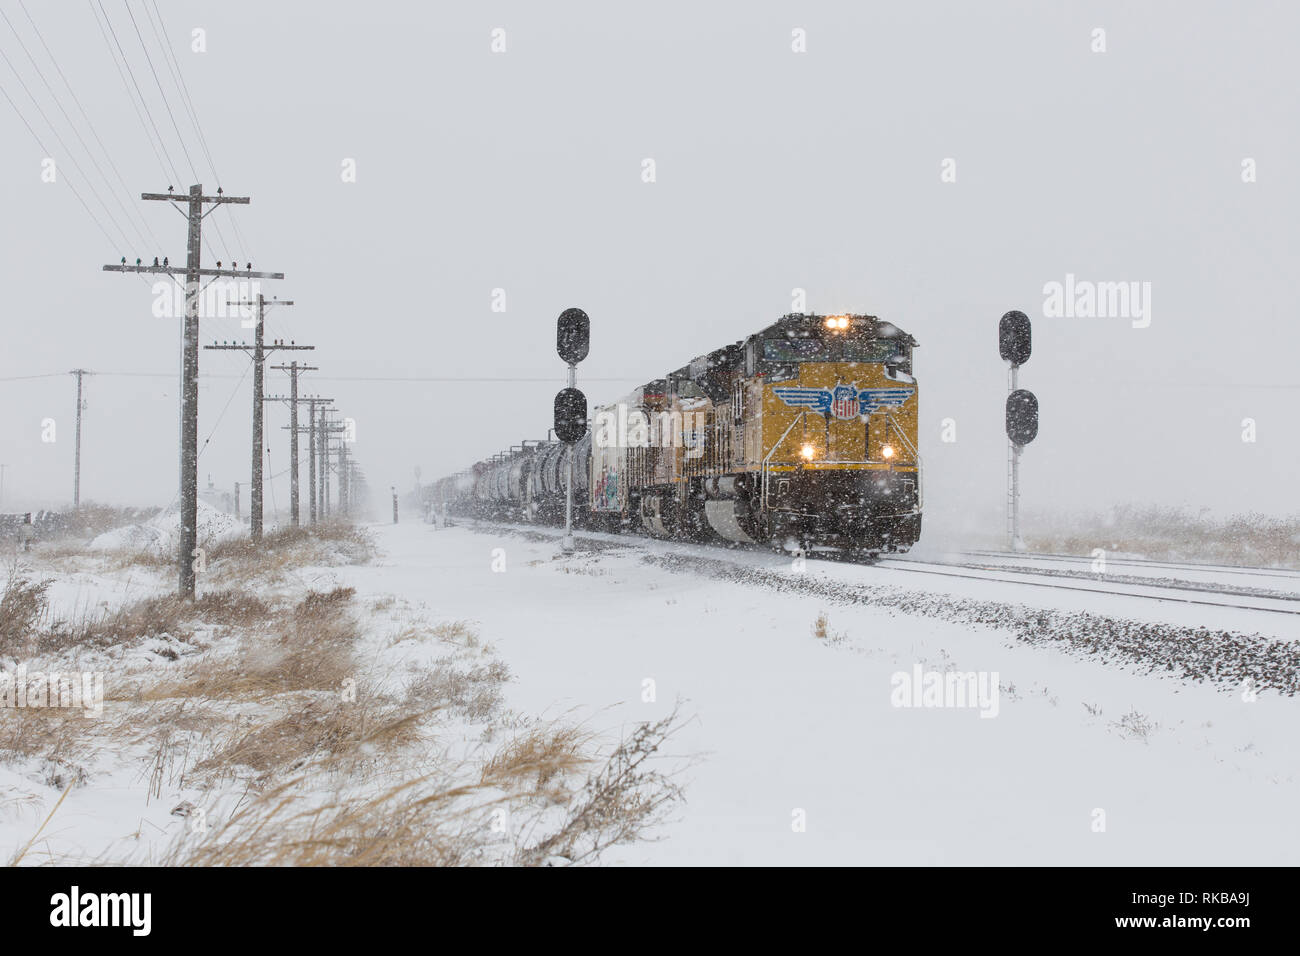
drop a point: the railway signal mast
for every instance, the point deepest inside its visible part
(1015, 345)
(572, 341)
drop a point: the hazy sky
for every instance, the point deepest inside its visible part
(775, 170)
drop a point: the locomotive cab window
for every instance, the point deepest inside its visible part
(879, 351)
(798, 350)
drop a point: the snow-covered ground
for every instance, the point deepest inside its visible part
(787, 725)
(161, 533)
(793, 749)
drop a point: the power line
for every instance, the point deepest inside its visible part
(178, 75)
(94, 132)
(19, 378)
(172, 116)
(386, 378)
(143, 102)
(161, 92)
(127, 85)
(95, 219)
(126, 242)
(68, 119)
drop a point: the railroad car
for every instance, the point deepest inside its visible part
(803, 435)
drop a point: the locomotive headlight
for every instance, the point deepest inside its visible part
(808, 452)
(843, 321)
(831, 322)
(887, 451)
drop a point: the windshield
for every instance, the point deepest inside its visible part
(835, 350)
(797, 350)
(872, 351)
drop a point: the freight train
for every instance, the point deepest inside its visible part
(802, 436)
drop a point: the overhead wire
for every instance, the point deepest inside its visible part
(172, 116)
(178, 76)
(170, 166)
(90, 125)
(49, 88)
(125, 242)
(76, 192)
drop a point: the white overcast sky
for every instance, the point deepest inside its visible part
(775, 170)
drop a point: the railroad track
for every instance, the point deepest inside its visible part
(1287, 574)
(1157, 590)
(1140, 588)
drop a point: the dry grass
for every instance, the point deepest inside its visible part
(821, 628)
(23, 607)
(628, 796)
(1135, 726)
(472, 692)
(57, 736)
(1174, 534)
(433, 820)
(124, 558)
(307, 648)
(293, 544)
(538, 761)
(328, 732)
(456, 632)
(335, 765)
(27, 630)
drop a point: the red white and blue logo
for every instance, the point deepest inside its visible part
(843, 401)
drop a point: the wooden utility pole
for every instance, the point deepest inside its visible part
(311, 459)
(327, 428)
(343, 477)
(76, 467)
(258, 352)
(312, 432)
(293, 368)
(193, 272)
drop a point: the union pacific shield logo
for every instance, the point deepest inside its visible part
(843, 401)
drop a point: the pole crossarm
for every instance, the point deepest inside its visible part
(181, 271)
(187, 197)
(251, 346)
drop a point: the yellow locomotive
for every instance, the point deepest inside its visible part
(803, 435)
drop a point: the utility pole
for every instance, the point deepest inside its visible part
(293, 368)
(312, 431)
(311, 457)
(327, 429)
(343, 477)
(193, 272)
(258, 352)
(76, 467)
(322, 443)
